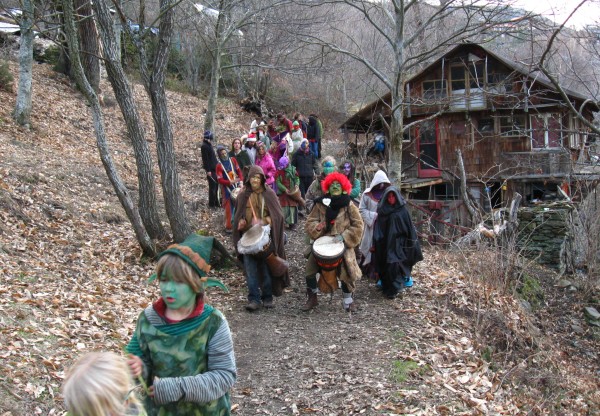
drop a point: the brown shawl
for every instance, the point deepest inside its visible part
(277, 223)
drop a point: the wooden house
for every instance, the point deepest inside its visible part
(513, 128)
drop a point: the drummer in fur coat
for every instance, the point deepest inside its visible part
(334, 215)
(258, 204)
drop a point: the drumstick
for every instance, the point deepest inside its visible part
(252, 207)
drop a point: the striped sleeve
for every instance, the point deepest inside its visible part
(207, 386)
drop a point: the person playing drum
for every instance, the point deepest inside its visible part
(258, 204)
(334, 215)
(230, 177)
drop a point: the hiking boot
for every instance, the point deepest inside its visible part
(351, 307)
(311, 300)
(408, 281)
(253, 306)
(268, 304)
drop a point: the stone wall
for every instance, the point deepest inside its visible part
(543, 231)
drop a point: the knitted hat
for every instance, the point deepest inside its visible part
(208, 135)
(304, 144)
(251, 137)
(221, 147)
(284, 162)
(295, 124)
(336, 177)
(195, 251)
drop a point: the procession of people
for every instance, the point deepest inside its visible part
(181, 351)
(348, 233)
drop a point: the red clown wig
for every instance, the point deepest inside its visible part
(336, 177)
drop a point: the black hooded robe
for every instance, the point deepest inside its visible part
(396, 243)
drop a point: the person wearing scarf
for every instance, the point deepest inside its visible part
(287, 182)
(258, 204)
(182, 346)
(368, 211)
(229, 176)
(334, 215)
(397, 247)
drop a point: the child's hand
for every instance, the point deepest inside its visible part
(241, 224)
(320, 226)
(135, 365)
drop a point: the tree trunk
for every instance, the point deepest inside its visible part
(22, 113)
(213, 94)
(120, 189)
(88, 37)
(162, 126)
(124, 95)
(394, 147)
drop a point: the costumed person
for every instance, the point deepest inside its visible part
(288, 191)
(256, 122)
(230, 177)
(334, 215)
(262, 135)
(314, 190)
(313, 134)
(368, 211)
(182, 346)
(257, 208)
(306, 165)
(303, 126)
(286, 123)
(397, 247)
(297, 136)
(240, 155)
(265, 161)
(99, 384)
(348, 169)
(250, 146)
(209, 163)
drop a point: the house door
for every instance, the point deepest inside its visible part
(429, 160)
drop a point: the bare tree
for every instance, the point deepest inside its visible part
(124, 95)
(22, 112)
(92, 98)
(154, 84)
(88, 36)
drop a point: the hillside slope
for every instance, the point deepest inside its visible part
(72, 281)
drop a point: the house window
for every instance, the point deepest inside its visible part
(577, 134)
(546, 131)
(498, 82)
(485, 126)
(467, 85)
(513, 125)
(434, 89)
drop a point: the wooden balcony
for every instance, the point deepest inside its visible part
(539, 163)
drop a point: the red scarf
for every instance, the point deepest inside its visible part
(161, 308)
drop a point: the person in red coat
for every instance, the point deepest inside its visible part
(230, 177)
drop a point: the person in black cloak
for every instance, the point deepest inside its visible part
(397, 247)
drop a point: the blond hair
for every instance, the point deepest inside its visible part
(99, 384)
(177, 269)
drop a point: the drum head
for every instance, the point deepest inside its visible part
(254, 240)
(328, 247)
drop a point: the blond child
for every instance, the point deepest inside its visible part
(100, 384)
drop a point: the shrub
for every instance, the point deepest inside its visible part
(6, 78)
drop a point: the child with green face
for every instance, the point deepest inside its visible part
(182, 347)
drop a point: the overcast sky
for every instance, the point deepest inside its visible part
(559, 10)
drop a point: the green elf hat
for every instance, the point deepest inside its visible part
(195, 251)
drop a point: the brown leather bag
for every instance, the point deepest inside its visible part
(277, 266)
